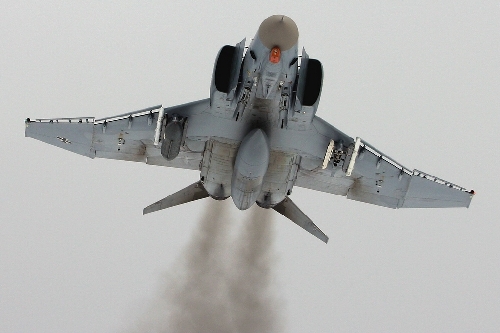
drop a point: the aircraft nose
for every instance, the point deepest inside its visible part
(278, 31)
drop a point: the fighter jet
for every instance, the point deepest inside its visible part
(255, 138)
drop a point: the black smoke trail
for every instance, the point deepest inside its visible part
(218, 285)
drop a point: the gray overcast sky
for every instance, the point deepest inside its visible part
(421, 82)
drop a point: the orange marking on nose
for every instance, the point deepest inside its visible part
(275, 55)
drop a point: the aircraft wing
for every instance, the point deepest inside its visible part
(370, 176)
(130, 136)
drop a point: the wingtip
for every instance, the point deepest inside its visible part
(147, 210)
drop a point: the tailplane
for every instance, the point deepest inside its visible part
(288, 209)
(196, 191)
(193, 192)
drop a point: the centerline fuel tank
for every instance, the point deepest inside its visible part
(250, 167)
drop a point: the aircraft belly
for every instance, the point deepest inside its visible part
(217, 167)
(280, 178)
(307, 143)
(205, 125)
(250, 168)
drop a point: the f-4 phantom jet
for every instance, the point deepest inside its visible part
(255, 138)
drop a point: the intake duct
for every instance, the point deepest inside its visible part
(312, 83)
(223, 69)
(225, 78)
(227, 67)
(309, 84)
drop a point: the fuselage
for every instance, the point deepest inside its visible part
(255, 138)
(262, 102)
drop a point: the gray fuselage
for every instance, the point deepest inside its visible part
(260, 102)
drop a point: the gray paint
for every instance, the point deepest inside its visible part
(193, 192)
(231, 133)
(250, 168)
(288, 209)
(417, 81)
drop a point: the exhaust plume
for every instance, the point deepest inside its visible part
(251, 292)
(218, 285)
